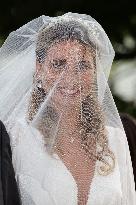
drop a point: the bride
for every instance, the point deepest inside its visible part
(68, 143)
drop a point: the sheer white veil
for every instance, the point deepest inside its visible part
(17, 71)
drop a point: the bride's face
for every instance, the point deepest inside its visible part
(68, 71)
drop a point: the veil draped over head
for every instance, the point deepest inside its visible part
(54, 80)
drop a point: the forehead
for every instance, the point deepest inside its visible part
(68, 49)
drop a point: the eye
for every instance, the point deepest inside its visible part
(58, 63)
(84, 65)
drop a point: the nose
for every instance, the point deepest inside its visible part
(70, 76)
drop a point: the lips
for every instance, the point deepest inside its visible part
(69, 92)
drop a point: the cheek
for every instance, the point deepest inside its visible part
(49, 79)
(87, 79)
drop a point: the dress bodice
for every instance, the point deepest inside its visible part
(44, 179)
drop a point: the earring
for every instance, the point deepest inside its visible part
(39, 88)
(39, 84)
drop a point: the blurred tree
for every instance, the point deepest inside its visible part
(125, 107)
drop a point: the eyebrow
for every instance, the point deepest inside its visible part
(85, 61)
(61, 61)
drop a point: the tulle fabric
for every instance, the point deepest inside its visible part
(23, 118)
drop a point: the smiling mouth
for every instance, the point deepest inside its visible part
(69, 92)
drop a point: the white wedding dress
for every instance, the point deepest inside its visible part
(45, 180)
(52, 70)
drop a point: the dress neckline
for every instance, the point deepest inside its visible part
(56, 156)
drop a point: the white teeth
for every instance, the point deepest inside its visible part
(70, 91)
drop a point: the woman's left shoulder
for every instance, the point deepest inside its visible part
(118, 131)
(116, 136)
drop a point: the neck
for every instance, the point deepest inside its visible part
(68, 131)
